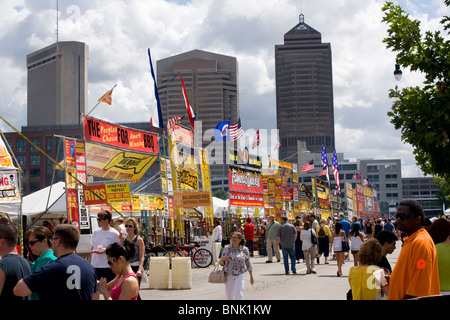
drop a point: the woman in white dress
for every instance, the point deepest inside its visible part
(337, 237)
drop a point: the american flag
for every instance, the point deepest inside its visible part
(336, 171)
(308, 167)
(277, 146)
(256, 140)
(173, 121)
(236, 130)
(325, 163)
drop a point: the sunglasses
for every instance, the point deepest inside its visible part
(129, 226)
(403, 216)
(112, 261)
(32, 243)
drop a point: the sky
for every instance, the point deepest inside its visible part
(119, 32)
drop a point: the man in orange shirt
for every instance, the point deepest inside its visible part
(416, 272)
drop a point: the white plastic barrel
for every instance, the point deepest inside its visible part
(181, 273)
(158, 277)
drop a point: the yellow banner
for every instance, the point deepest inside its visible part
(206, 180)
(114, 164)
(118, 193)
(192, 199)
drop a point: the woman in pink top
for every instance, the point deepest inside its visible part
(125, 285)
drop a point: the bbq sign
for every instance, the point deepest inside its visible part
(118, 136)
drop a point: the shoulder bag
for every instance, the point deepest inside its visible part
(313, 238)
(217, 275)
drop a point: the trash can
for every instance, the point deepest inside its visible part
(159, 273)
(181, 273)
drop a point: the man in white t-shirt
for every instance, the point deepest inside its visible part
(101, 239)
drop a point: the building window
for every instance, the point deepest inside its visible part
(21, 145)
(22, 160)
(35, 173)
(35, 159)
(36, 142)
(373, 168)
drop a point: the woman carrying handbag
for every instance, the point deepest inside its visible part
(236, 261)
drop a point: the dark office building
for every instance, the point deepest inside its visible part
(304, 91)
(211, 83)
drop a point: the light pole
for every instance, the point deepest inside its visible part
(397, 71)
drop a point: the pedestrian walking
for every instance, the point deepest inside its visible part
(367, 281)
(286, 239)
(125, 286)
(40, 243)
(70, 277)
(137, 261)
(387, 240)
(309, 249)
(236, 261)
(271, 239)
(323, 236)
(13, 267)
(356, 239)
(249, 233)
(337, 237)
(440, 233)
(298, 241)
(416, 271)
(101, 239)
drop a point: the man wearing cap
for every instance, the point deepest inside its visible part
(249, 233)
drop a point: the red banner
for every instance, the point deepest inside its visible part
(72, 207)
(246, 199)
(118, 136)
(245, 180)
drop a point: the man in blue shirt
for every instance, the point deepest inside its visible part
(388, 226)
(70, 277)
(346, 227)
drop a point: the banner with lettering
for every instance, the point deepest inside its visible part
(245, 180)
(119, 136)
(246, 199)
(9, 190)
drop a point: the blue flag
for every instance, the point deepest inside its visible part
(222, 131)
(158, 104)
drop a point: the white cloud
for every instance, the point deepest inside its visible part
(118, 33)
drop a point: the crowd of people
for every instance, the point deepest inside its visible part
(57, 272)
(115, 269)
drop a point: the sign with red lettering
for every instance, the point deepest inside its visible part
(242, 199)
(119, 136)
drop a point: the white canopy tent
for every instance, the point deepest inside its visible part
(50, 201)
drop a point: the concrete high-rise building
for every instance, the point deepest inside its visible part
(57, 84)
(304, 91)
(211, 83)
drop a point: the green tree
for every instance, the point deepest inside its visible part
(221, 194)
(422, 113)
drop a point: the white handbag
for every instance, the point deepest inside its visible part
(217, 276)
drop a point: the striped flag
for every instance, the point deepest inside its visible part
(256, 140)
(325, 163)
(277, 146)
(308, 167)
(336, 171)
(107, 97)
(188, 106)
(236, 130)
(173, 121)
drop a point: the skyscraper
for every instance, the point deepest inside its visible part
(304, 91)
(211, 83)
(57, 84)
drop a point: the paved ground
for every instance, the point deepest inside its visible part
(270, 283)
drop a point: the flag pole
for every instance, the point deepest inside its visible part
(100, 101)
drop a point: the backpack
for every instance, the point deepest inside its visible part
(321, 233)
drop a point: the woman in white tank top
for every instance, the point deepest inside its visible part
(356, 239)
(337, 237)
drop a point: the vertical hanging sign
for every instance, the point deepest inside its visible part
(73, 216)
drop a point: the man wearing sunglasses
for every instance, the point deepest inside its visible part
(416, 272)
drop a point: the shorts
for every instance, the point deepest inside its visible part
(355, 251)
